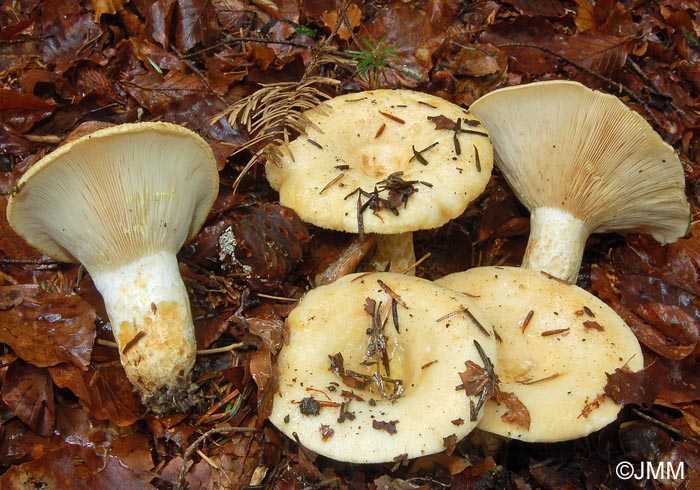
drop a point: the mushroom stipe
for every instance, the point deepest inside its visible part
(122, 201)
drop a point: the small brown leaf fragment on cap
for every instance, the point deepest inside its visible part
(589, 324)
(591, 405)
(449, 443)
(351, 396)
(517, 413)
(350, 378)
(443, 122)
(309, 406)
(549, 333)
(400, 460)
(389, 426)
(345, 413)
(458, 422)
(326, 432)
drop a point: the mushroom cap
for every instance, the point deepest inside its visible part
(562, 145)
(117, 194)
(426, 354)
(559, 377)
(366, 137)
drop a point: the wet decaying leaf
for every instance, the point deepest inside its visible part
(28, 391)
(70, 417)
(46, 329)
(104, 391)
(73, 466)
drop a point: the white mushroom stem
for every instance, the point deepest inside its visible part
(148, 307)
(556, 243)
(394, 253)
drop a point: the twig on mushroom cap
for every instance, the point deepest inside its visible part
(402, 170)
(558, 363)
(425, 354)
(582, 162)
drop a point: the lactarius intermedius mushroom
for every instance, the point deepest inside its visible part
(556, 342)
(582, 162)
(371, 370)
(122, 201)
(388, 162)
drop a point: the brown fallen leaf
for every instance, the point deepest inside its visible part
(28, 391)
(104, 391)
(75, 467)
(46, 329)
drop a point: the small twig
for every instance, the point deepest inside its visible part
(664, 425)
(200, 352)
(277, 298)
(226, 348)
(192, 448)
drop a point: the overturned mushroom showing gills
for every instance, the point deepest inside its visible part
(582, 162)
(122, 201)
(335, 391)
(388, 162)
(556, 344)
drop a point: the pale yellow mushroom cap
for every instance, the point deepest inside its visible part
(562, 145)
(117, 194)
(556, 361)
(582, 162)
(434, 340)
(358, 140)
(122, 201)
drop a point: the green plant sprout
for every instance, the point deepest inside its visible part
(375, 59)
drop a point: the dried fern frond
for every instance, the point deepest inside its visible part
(274, 114)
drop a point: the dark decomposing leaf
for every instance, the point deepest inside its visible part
(443, 122)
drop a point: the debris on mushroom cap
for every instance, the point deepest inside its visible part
(428, 334)
(556, 344)
(582, 162)
(428, 158)
(122, 201)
